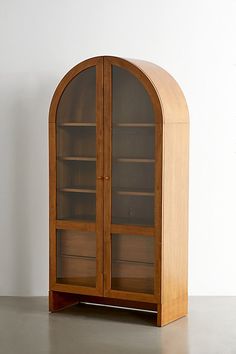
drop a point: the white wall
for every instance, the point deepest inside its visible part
(40, 41)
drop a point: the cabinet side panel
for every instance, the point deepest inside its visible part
(175, 212)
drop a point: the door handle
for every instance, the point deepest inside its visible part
(107, 178)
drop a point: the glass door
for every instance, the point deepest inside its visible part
(79, 199)
(130, 186)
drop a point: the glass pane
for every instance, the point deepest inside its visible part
(76, 149)
(133, 151)
(76, 258)
(131, 102)
(77, 103)
(133, 263)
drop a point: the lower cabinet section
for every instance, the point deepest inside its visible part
(132, 277)
(132, 263)
(76, 258)
(76, 243)
(166, 313)
(76, 271)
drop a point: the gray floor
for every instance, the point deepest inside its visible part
(27, 327)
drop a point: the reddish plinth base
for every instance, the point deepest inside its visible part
(59, 301)
(166, 313)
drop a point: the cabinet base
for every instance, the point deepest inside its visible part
(59, 301)
(171, 311)
(166, 313)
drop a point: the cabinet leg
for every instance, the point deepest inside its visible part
(59, 301)
(171, 311)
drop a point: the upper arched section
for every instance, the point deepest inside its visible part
(167, 98)
(68, 78)
(173, 104)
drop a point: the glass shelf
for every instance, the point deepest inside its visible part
(77, 158)
(131, 160)
(127, 191)
(132, 262)
(77, 124)
(134, 125)
(79, 189)
(82, 217)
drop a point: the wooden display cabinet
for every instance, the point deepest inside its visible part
(118, 141)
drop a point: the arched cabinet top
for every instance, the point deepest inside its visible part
(164, 91)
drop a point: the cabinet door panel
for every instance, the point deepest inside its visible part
(77, 263)
(130, 193)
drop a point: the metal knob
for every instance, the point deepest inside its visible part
(107, 178)
(100, 177)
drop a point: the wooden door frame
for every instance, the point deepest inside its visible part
(110, 228)
(55, 224)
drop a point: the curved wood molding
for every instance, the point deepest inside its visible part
(157, 81)
(66, 80)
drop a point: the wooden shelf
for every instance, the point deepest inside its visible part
(132, 262)
(74, 124)
(123, 159)
(79, 218)
(92, 189)
(78, 257)
(79, 189)
(135, 125)
(141, 192)
(76, 158)
(115, 220)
